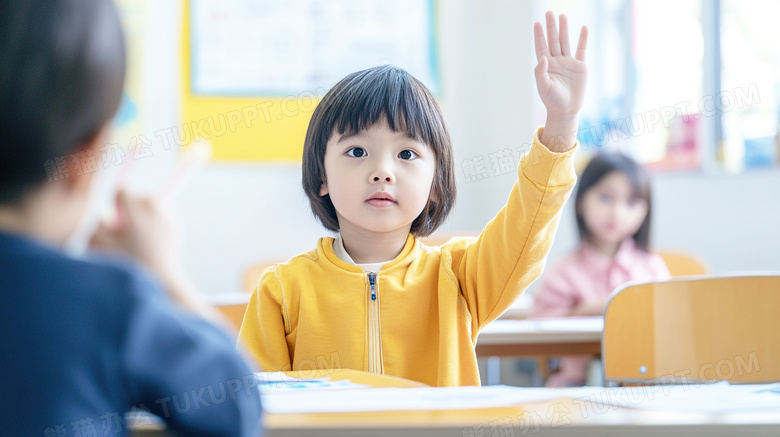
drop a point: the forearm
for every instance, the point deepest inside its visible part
(588, 308)
(511, 250)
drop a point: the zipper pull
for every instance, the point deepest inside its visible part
(372, 281)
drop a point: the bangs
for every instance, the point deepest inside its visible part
(640, 182)
(387, 94)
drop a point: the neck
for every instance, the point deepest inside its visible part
(39, 216)
(372, 247)
(606, 248)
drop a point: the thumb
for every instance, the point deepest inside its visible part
(104, 237)
(542, 77)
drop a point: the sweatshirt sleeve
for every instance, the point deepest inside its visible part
(265, 325)
(495, 268)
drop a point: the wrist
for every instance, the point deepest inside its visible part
(560, 132)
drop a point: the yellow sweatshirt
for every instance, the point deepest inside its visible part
(419, 316)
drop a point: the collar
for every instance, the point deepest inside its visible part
(327, 248)
(597, 260)
(341, 252)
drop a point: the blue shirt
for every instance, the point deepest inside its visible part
(84, 341)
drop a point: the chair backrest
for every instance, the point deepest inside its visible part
(231, 305)
(682, 264)
(694, 329)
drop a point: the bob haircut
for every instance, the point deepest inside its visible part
(360, 101)
(602, 165)
(62, 68)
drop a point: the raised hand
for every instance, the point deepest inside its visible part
(560, 80)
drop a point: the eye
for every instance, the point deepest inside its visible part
(605, 198)
(636, 202)
(407, 155)
(356, 152)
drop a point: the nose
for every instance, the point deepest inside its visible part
(383, 172)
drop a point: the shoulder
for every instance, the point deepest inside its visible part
(658, 267)
(293, 265)
(112, 276)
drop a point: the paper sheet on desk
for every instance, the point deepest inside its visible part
(405, 399)
(714, 398)
(280, 382)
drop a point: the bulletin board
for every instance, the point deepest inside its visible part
(254, 70)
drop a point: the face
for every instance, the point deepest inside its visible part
(378, 180)
(610, 210)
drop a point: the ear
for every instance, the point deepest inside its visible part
(324, 188)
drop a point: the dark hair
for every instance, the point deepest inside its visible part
(62, 67)
(358, 102)
(602, 165)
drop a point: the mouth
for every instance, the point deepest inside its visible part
(381, 200)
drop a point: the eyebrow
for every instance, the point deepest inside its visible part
(407, 135)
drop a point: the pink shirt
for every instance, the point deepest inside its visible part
(588, 275)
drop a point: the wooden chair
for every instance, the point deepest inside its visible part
(254, 272)
(682, 264)
(231, 305)
(694, 329)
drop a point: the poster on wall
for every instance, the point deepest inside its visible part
(274, 48)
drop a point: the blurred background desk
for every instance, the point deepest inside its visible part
(554, 336)
(539, 339)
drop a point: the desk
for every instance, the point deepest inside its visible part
(562, 417)
(554, 336)
(557, 417)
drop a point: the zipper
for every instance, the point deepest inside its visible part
(374, 327)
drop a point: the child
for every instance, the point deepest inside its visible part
(613, 208)
(85, 340)
(378, 168)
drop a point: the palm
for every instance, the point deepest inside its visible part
(560, 77)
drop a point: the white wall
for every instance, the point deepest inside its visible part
(238, 214)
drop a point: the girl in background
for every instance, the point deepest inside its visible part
(613, 206)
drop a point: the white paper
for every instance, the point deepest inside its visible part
(714, 398)
(405, 399)
(695, 398)
(274, 382)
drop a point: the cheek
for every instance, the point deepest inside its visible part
(637, 218)
(593, 211)
(425, 186)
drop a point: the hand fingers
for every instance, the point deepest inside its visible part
(582, 44)
(131, 209)
(103, 237)
(539, 42)
(564, 35)
(552, 35)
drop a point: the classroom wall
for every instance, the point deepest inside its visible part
(235, 214)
